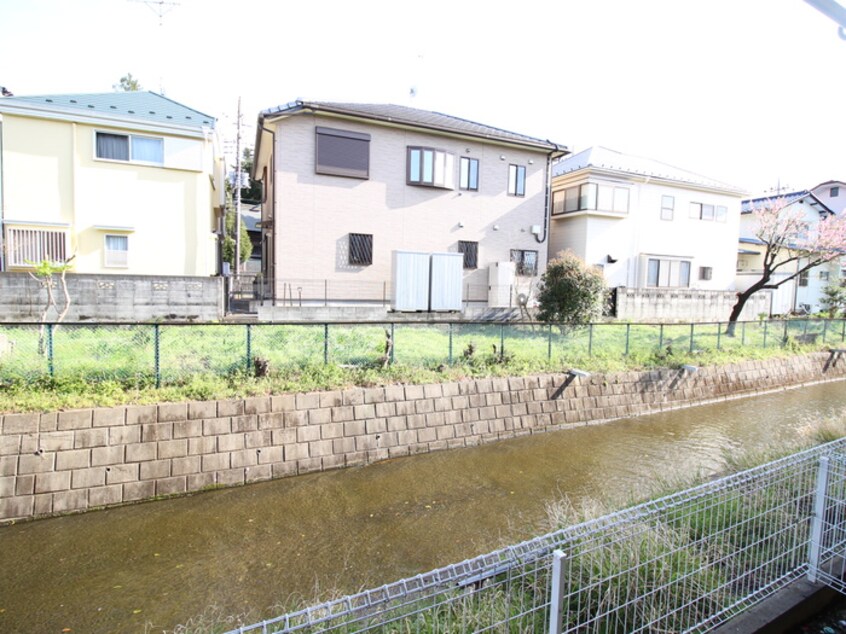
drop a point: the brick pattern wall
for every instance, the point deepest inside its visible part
(65, 461)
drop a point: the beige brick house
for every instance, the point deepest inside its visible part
(347, 186)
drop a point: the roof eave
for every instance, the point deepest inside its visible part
(638, 176)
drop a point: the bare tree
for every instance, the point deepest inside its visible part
(45, 273)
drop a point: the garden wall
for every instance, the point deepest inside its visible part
(75, 460)
(685, 304)
(115, 298)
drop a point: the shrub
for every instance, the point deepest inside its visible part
(571, 292)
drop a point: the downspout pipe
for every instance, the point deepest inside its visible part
(262, 128)
(547, 193)
(2, 206)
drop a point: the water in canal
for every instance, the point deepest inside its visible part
(149, 567)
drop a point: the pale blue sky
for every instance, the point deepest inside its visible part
(746, 91)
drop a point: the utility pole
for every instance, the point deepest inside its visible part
(238, 193)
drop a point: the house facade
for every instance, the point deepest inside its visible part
(115, 183)
(648, 225)
(350, 188)
(832, 194)
(801, 294)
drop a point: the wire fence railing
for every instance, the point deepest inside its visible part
(171, 353)
(688, 562)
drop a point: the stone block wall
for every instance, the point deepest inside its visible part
(685, 304)
(58, 462)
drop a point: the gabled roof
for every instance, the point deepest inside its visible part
(602, 158)
(142, 106)
(750, 204)
(413, 117)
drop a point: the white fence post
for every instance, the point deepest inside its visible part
(556, 599)
(817, 521)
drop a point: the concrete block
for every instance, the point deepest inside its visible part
(65, 501)
(8, 465)
(436, 419)
(331, 430)
(202, 409)
(413, 392)
(308, 401)
(7, 485)
(75, 419)
(20, 423)
(185, 466)
(398, 452)
(343, 414)
(24, 485)
(10, 445)
(394, 393)
(214, 426)
(320, 448)
(284, 436)
(215, 462)
(43, 504)
(155, 469)
(49, 421)
(187, 428)
(138, 452)
(258, 473)
(141, 414)
(248, 422)
(36, 464)
(427, 434)
(364, 412)
(271, 420)
(49, 482)
(57, 440)
(404, 408)
(424, 406)
(230, 442)
(308, 434)
(445, 433)
(257, 405)
(295, 419)
(171, 486)
(374, 395)
(354, 396)
(354, 428)
(492, 399)
(383, 410)
(105, 496)
(16, 507)
(376, 425)
(230, 477)
(320, 416)
(230, 408)
(309, 465)
(86, 438)
(399, 423)
(296, 451)
(283, 403)
(284, 469)
(169, 412)
(268, 455)
(258, 439)
(203, 445)
(124, 435)
(243, 458)
(365, 443)
(117, 474)
(87, 478)
(199, 481)
(156, 432)
(331, 399)
(333, 462)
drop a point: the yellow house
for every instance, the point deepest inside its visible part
(120, 183)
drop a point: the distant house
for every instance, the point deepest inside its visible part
(832, 194)
(801, 294)
(349, 187)
(251, 218)
(122, 182)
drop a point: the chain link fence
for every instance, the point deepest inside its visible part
(171, 353)
(688, 562)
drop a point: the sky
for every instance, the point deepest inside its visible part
(750, 92)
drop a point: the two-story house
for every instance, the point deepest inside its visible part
(119, 183)
(655, 229)
(348, 186)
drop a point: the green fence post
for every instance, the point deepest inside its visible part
(691, 338)
(660, 336)
(825, 329)
(628, 333)
(51, 368)
(590, 340)
(393, 344)
(249, 357)
(742, 333)
(325, 344)
(502, 341)
(766, 323)
(784, 338)
(450, 343)
(157, 347)
(549, 343)
(843, 331)
(805, 331)
(719, 332)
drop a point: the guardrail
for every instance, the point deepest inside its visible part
(686, 562)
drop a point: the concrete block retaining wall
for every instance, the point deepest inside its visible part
(65, 461)
(686, 304)
(115, 298)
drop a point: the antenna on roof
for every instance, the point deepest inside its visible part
(159, 7)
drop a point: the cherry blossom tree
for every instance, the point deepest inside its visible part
(791, 247)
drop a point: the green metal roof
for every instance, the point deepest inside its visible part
(137, 105)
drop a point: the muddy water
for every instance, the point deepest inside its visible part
(152, 566)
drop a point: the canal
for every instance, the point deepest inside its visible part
(256, 550)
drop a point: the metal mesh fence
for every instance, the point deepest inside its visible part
(687, 562)
(173, 353)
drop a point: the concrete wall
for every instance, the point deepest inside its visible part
(315, 213)
(685, 304)
(115, 298)
(75, 460)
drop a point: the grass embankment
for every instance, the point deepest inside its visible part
(664, 571)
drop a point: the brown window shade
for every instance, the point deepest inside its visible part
(342, 153)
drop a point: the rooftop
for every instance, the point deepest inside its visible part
(599, 157)
(143, 106)
(415, 117)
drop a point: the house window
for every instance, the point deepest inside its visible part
(468, 174)
(670, 273)
(590, 196)
(571, 199)
(129, 147)
(705, 272)
(558, 201)
(27, 247)
(702, 211)
(834, 192)
(342, 153)
(526, 261)
(722, 213)
(516, 180)
(117, 251)
(824, 276)
(471, 253)
(361, 249)
(667, 204)
(803, 278)
(429, 167)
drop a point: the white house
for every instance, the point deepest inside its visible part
(832, 194)
(659, 231)
(348, 186)
(803, 293)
